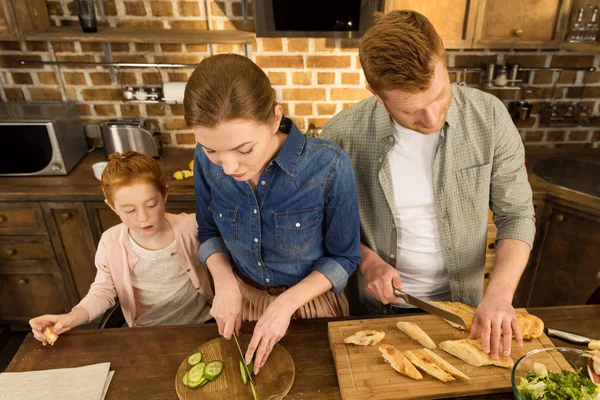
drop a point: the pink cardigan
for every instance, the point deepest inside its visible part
(114, 261)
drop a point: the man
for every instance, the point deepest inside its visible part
(430, 158)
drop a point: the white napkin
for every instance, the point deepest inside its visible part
(83, 383)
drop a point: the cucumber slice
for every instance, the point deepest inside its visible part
(213, 369)
(200, 383)
(185, 380)
(194, 359)
(196, 373)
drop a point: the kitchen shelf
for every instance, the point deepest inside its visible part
(141, 35)
(9, 36)
(582, 47)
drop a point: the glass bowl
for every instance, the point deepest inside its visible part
(554, 359)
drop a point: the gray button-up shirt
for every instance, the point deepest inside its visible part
(479, 163)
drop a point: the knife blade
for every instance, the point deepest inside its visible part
(430, 308)
(567, 336)
(243, 358)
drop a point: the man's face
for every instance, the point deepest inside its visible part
(425, 111)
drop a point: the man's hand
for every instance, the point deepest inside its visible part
(493, 317)
(379, 277)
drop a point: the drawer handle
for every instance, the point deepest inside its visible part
(2, 218)
(518, 32)
(10, 252)
(559, 218)
(67, 215)
(23, 281)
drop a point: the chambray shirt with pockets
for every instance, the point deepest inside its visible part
(303, 216)
(479, 163)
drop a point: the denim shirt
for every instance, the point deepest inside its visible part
(303, 216)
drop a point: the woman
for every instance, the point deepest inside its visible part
(277, 211)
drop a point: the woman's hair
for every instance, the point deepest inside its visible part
(129, 168)
(227, 87)
(398, 52)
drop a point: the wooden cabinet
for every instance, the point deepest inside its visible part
(19, 17)
(454, 20)
(521, 24)
(566, 264)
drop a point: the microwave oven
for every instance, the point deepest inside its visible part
(45, 138)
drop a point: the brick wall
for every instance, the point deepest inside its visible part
(314, 78)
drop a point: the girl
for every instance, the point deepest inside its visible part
(149, 261)
(277, 211)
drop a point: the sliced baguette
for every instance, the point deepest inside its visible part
(425, 364)
(400, 363)
(596, 363)
(471, 352)
(365, 338)
(445, 365)
(416, 333)
(594, 345)
(51, 337)
(460, 309)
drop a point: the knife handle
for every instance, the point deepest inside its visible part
(401, 294)
(568, 336)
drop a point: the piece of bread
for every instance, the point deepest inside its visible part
(471, 352)
(395, 358)
(443, 364)
(416, 333)
(596, 363)
(51, 337)
(594, 345)
(460, 309)
(365, 338)
(424, 363)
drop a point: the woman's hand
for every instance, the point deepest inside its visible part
(269, 329)
(58, 323)
(227, 308)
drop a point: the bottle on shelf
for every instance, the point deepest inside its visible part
(591, 28)
(577, 30)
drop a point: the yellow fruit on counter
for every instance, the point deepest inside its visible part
(184, 173)
(191, 165)
(178, 175)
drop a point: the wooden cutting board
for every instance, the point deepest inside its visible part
(363, 374)
(276, 377)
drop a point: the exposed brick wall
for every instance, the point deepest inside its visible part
(314, 78)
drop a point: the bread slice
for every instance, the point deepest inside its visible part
(424, 363)
(594, 345)
(51, 337)
(460, 309)
(596, 361)
(365, 338)
(443, 364)
(415, 332)
(471, 352)
(395, 358)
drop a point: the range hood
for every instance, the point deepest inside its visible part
(314, 18)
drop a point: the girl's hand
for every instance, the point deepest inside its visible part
(269, 329)
(227, 309)
(58, 323)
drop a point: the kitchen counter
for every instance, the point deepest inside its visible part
(145, 360)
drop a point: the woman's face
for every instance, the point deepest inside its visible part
(242, 147)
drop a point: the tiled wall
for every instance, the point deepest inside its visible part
(314, 78)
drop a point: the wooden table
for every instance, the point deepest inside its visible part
(145, 360)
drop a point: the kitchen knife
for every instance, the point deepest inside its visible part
(243, 358)
(430, 308)
(568, 336)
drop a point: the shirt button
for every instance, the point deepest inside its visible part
(380, 159)
(392, 256)
(255, 240)
(263, 183)
(255, 211)
(259, 263)
(297, 224)
(220, 215)
(267, 280)
(391, 139)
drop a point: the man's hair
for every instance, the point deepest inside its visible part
(398, 52)
(227, 87)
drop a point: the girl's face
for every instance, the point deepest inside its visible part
(141, 207)
(242, 147)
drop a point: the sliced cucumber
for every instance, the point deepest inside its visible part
(185, 380)
(213, 369)
(196, 373)
(200, 383)
(194, 359)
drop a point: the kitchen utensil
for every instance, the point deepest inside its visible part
(99, 169)
(363, 375)
(87, 15)
(501, 78)
(173, 92)
(554, 359)
(430, 308)
(242, 358)
(514, 71)
(567, 336)
(489, 75)
(123, 135)
(520, 110)
(276, 377)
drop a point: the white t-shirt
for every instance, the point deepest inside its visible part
(419, 257)
(163, 292)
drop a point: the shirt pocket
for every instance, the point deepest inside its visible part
(295, 229)
(225, 217)
(473, 186)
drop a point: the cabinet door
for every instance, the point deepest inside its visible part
(521, 24)
(7, 26)
(454, 20)
(568, 263)
(74, 245)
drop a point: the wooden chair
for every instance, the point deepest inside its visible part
(113, 317)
